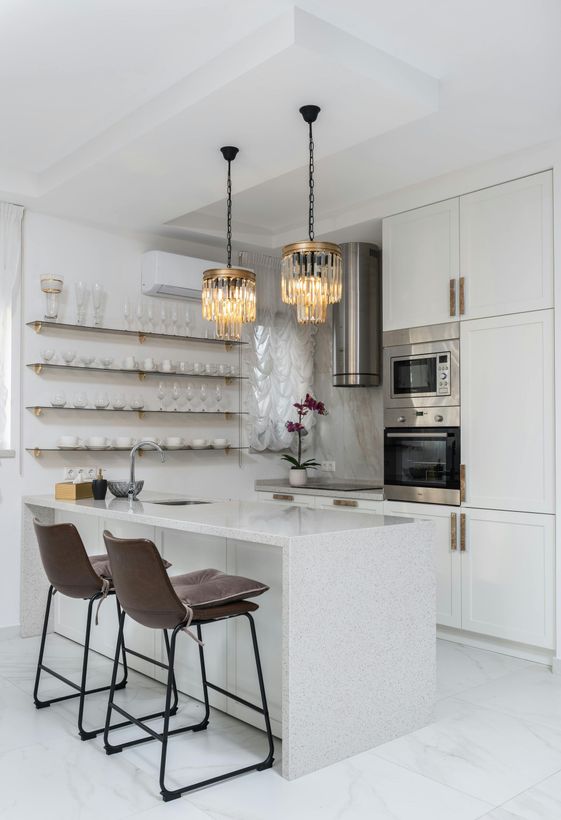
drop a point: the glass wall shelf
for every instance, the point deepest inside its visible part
(38, 451)
(38, 410)
(41, 325)
(39, 367)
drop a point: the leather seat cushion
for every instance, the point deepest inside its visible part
(210, 588)
(101, 565)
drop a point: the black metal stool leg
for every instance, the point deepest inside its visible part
(205, 720)
(167, 795)
(268, 762)
(83, 734)
(38, 703)
(174, 683)
(123, 682)
(108, 747)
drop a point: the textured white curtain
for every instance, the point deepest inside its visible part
(280, 360)
(10, 271)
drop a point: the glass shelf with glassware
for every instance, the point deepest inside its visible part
(227, 373)
(142, 335)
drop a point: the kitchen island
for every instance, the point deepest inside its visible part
(347, 629)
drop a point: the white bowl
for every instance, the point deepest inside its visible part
(124, 442)
(68, 441)
(86, 360)
(199, 443)
(69, 356)
(220, 443)
(174, 442)
(106, 361)
(47, 355)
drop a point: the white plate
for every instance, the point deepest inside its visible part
(71, 447)
(98, 446)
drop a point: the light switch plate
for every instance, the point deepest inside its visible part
(327, 466)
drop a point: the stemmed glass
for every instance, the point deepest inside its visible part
(203, 396)
(97, 299)
(174, 318)
(187, 322)
(161, 394)
(150, 317)
(175, 393)
(140, 314)
(219, 396)
(189, 394)
(127, 314)
(80, 291)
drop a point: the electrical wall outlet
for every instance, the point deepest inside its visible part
(90, 473)
(327, 466)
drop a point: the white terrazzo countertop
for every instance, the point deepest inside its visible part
(261, 522)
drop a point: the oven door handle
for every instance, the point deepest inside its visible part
(417, 435)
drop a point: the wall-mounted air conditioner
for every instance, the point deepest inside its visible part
(170, 274)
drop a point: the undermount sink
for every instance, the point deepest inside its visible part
(179, 502)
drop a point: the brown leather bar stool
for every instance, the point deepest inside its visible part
(152, 598)
(72, 572)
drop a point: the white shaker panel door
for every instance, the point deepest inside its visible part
(447, 559)
(420, 256)
(508, 412)
(508, 575)
(506, 247)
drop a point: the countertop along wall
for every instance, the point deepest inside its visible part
(79, 252)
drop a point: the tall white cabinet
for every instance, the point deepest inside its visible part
(486, 259)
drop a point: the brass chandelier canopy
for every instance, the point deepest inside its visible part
(228, 296)
(312, 271)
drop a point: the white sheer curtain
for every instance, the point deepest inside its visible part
(281, 359)
(10, 272)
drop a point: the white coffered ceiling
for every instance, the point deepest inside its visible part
(112, 112)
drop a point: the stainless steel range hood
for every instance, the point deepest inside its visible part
(357, 319)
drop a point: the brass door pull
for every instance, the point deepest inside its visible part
(462, 532)
(344, 502)
(279, 497)
(453, 531)
(452, 297)
(462, 482)
(462, 295)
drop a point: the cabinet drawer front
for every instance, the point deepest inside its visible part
(508, 570)
(350, 504)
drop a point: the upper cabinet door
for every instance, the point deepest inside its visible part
(506, 247)
(508, 412)
(421, 255)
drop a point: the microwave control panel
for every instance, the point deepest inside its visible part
(443, 374)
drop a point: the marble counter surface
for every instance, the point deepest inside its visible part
(276, 485)
(261, 522)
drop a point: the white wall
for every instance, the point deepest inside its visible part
(76, 251)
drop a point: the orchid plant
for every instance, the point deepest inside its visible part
(309, 405)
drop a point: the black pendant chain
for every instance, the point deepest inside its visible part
(311, 186)
(229, 218)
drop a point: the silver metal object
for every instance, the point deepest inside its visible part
(422, 417)
(422, 335)
(134, 487)
(120, 489)
(357, 319)
(446, 355)
(423, 495)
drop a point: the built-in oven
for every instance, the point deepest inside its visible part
(421, 366)
(422, 455)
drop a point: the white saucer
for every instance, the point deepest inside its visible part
(98, 446)
(71, 447)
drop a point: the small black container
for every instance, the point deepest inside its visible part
(99, 487)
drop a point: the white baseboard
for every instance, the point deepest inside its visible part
(8, 632)
(523, 651)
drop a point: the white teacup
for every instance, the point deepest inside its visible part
(96, 441)
(124, 441)
(199, 442)
(220, 442)
(69, 441)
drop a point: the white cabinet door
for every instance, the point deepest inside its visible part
(420, 256)
(506, 242)
(446, 555)
(508, 412)
(508, 571)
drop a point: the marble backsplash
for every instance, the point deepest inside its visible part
(352, 434)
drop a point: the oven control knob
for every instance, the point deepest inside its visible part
(439, 418)
(401, 418)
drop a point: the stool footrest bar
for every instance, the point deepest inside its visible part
(235, 697)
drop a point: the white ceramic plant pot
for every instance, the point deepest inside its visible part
(297, 477)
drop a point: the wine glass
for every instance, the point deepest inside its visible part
(97, 300)
(140, 314)
(187, 322)
(127, 314)
(161, 394)
(174, 318)
(80, 294)
(175, 393)
(219, 396)
(203, 396)
(189, 395)
(150, 317)
(163, 319)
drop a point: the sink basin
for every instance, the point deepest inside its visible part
(178, 502)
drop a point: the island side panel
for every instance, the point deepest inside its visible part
(360, 642)
(34, 584)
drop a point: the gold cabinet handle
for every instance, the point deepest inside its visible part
(453, 531)
(280, 497)
(462, 295)
(452, 297)
(462, 482)
(462, 532)
(344, 502)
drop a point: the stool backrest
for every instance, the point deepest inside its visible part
(142, 583)
(65, 560)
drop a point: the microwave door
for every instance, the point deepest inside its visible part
(414, 376)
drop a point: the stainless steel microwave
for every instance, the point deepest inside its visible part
(422, 367)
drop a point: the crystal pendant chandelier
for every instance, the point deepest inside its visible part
(312, 271)
(228, 296)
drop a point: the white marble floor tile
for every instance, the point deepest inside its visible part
(542, 802)
(461, 667)
(21, 724)
(362, 787)
(481, 752)
(533, 694)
